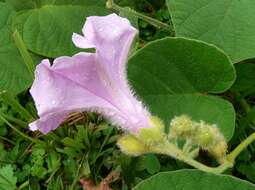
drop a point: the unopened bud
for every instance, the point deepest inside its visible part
(205, 135)
(181, 126)
(211, 139)
(129, 144)
(219, 150)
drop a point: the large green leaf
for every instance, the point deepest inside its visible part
(14, 75)
(229, 24)
(193, 180)
(34, 4)
(48, 30)
(174, 75)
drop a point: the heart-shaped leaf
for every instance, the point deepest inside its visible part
(14, 76)
(229, 24)
(48, 30)
(193, 180)
(174, 75)
(35, 4)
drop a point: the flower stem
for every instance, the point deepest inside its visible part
(194, 153)
(111, 5)
(170, 150)
(232, 156)
(187, 146)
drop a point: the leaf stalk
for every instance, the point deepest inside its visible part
(154, 22)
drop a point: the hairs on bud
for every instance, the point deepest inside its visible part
(206, 136)
(181, 126)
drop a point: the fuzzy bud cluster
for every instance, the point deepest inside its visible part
(202, 134)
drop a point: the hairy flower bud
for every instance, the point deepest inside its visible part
(201, 134)
(181, 126)
(130, 145)
(219, 150)
(209, 138)
(205, 135)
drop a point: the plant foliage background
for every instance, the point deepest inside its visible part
(203, 67)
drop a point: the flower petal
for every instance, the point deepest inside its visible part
(90, 82)
(112, 37)
(48, 123)
(70, 85)
(81, 42)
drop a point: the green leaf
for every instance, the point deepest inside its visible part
(7, 178)
(229, 24)
(53, 161)
(21, 4)
(48, 30)
(151, 163)
(193, 180)
(35, 4)
(245, 80)
(174, 75)
(38, 168)
(13, 74)
(74, 2)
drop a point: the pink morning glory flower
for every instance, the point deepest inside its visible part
(90, 81)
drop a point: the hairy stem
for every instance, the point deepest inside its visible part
(170, 150)
(194, 153)
(111, 5)
(173, 151)
(187, 146)
(232, 156)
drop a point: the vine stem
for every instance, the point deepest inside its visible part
(154, 22)
(232, 156)
(171, 150)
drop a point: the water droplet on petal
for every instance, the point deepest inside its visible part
(106, 83)
(53, 102)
